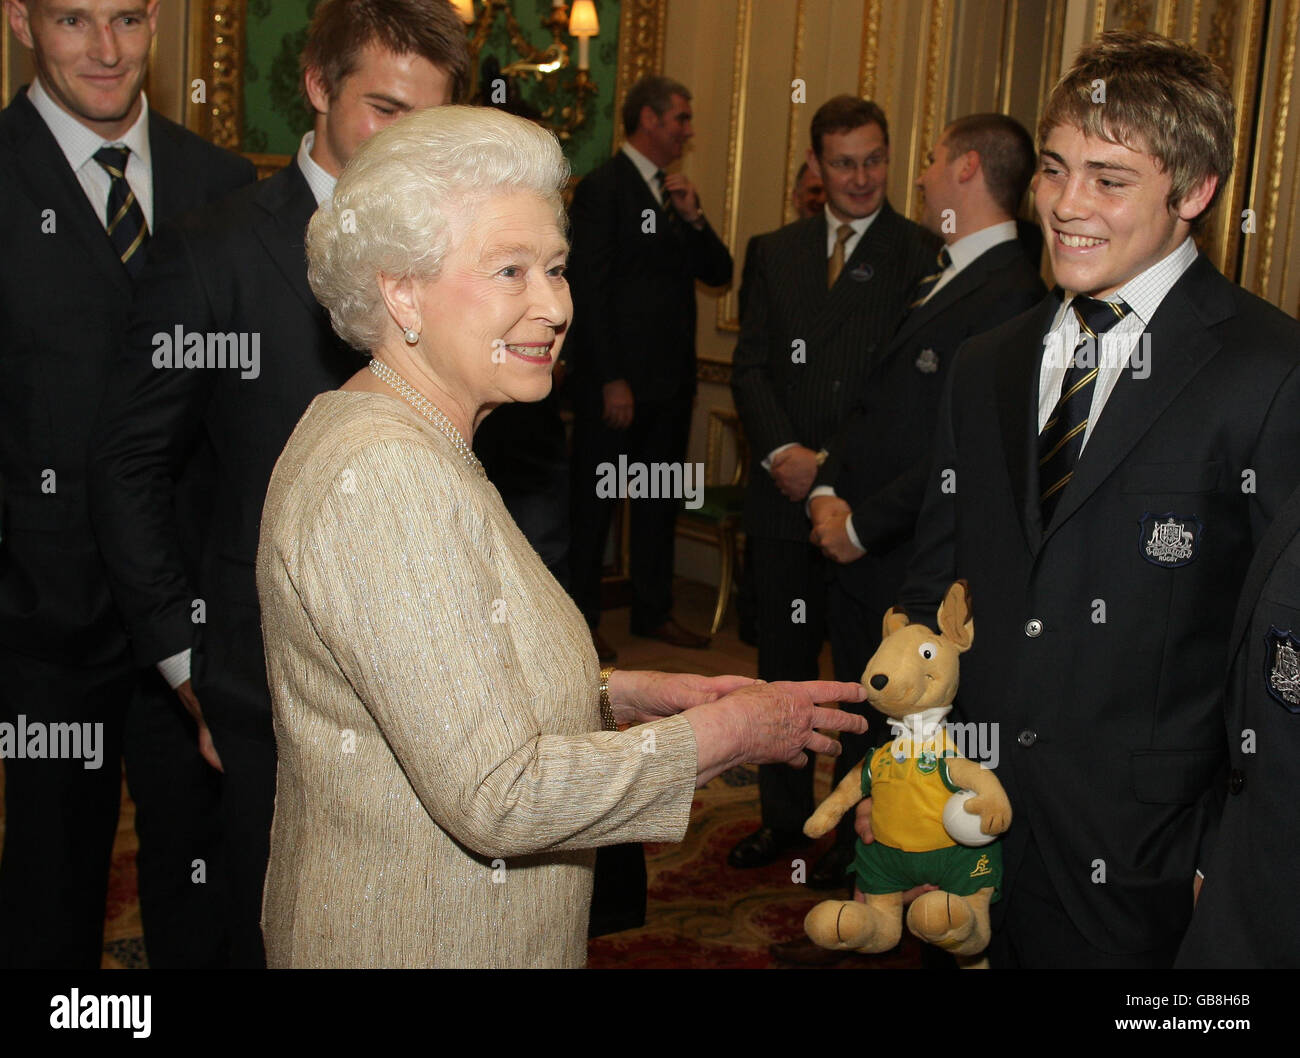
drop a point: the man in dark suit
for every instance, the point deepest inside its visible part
(1104, 467)
(819, 300)
(640, 242)
(1245, 915)
(868, 492)
(235, 276)
(86, 170)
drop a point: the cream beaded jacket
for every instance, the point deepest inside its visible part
(443, 778)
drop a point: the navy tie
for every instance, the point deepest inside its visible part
(928, 283)
(125, 221)
(1061, 439)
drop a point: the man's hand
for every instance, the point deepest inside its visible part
(619, 404)
(207, 748)
(831, 534)
(822, 507)
(793, 470)
(685, 199)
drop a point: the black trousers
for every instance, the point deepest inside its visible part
(659, 433)
(60, 816)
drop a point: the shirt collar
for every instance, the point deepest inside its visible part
(320, 182)
(859, 226)
(1146, 290)
(917, 728)
(80, 143)
(644, 165)
(969, 247)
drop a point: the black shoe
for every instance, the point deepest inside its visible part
(831, 871)
(803, 952)
(762, 847)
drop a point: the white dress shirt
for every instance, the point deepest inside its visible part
(320, 182)
(79, 145)
(1143, 295)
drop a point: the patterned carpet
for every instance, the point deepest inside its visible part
(700, 912)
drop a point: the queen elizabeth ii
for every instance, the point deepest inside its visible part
(450, 752)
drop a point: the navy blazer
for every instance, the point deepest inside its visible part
(64, 298)
(633, 275)
(1102, 635)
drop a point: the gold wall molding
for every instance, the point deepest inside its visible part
(869, 57)
(1133, 14)
(219, 36)
(642, 24)
(792, 163)
(728, 309)
(716, 371)
(1272, 182)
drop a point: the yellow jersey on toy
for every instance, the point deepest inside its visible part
(909, 785)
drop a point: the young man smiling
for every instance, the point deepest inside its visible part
(1117, 454)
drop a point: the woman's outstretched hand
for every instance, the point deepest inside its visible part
(771, 723)
(638, 697)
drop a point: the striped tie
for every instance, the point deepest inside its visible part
(836, 263)
(1061, 440)
(126, 225)
(928, 283)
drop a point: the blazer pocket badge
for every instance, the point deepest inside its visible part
(928, 362)
(1282, 667)
(861, 273)
(1169, 539)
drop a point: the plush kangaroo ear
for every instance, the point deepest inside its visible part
(956, 621)
(894, 620)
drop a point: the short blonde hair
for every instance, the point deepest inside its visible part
(393, 206)
(1161, 92)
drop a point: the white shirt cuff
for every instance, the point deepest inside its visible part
(820, 490)
(175, 669)
(766, 464)
(852, 534)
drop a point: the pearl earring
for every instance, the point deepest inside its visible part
(411, 335)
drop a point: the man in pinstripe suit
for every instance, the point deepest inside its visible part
(818, 303)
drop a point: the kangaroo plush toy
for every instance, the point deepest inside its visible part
(912, 679)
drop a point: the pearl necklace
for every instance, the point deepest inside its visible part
(425, 407)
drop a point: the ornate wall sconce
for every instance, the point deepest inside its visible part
(568, 89)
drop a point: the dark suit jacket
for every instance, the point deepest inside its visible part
(633, 291)
(786, 394)
(238, 266)
(1246, 915)
(64, 297)
(1103, 663)
(880, 457)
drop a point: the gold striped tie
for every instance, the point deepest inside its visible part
(126, 225)
(1061, 439)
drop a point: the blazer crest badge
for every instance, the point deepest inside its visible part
(927, 362)
(1170, 539)
(1282, 667)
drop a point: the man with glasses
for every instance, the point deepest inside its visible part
(818, 303)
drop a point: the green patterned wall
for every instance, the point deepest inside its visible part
(275, 116)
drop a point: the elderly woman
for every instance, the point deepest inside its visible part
(449, 748)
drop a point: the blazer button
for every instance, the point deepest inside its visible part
(1033, 628)
(1236, 781)
(1027, 737)
(835, 385)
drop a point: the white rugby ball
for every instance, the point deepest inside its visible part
(962, 826)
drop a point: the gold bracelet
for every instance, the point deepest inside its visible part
(608, 723)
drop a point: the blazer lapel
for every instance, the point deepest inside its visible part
(878, 243)
(288, 204)
(1017, 399)
(45, 169)
(964, 284)
(171, 176)
(1181, 343)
